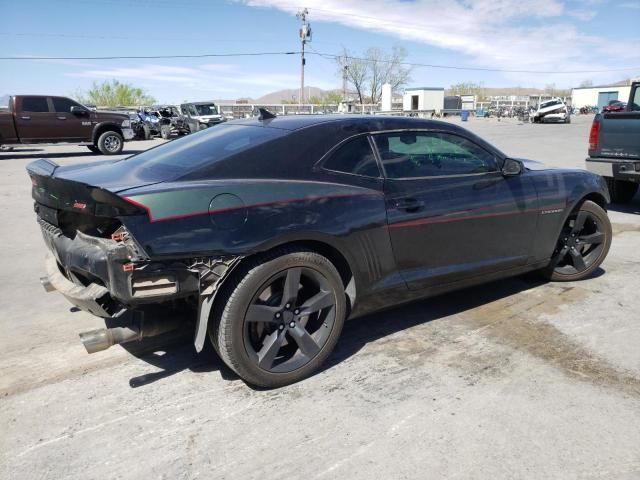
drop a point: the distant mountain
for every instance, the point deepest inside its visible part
(290, 95)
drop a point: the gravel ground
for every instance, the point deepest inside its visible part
(515, 379)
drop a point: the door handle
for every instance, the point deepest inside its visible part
(25, 118)
(62, 118)
(409, 204)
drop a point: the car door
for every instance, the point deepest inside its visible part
(451, 212)
(76, 126)
(34, 119)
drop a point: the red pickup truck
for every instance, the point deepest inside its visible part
(47, 119)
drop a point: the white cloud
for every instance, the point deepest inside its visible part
(210, 80)
(584, 15)
(634, 5)
(503, 34)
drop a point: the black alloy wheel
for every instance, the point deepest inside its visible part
(583, 244)
(282, 319)
(290, 320)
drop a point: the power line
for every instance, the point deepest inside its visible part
(154, 57)
(332, 56)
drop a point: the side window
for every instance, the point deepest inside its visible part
(635, 100)
(35, 104)
(63, 105)
(355, 157)
(431, 154)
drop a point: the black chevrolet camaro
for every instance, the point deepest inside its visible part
(274, 230)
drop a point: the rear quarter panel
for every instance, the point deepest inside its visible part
(250, 216)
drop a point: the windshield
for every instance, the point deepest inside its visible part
(551, 103)
(175, 159)
(209, 109)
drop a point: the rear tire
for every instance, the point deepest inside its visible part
(621, 191)
(165, 132)
(256, 330)
(110, 143)
(583, 245)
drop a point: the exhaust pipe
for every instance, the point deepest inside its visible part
(103, 338)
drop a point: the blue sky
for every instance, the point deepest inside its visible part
(549, 35)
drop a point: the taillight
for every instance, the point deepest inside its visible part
(594, 135)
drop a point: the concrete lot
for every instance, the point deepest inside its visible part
(516, 379)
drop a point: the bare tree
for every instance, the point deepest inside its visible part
(357, 72)
(370, 71)
(586, 83)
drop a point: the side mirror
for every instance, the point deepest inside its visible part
(512, 167)
(79, 111)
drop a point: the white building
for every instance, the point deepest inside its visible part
(600, 95)
(425, 99)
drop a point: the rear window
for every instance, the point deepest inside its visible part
(177, 158)
(35, 104)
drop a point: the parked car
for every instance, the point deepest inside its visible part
(554, 110)
(615, 106)
(279, 228)
(206, 114)
(47, 119)
(614, 148)
(172, 122)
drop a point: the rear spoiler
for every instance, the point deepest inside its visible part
(63, 194)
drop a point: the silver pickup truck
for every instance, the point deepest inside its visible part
(614, 148)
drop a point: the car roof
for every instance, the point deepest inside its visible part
(366, 123)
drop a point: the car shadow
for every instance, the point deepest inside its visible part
(173, 352)
(631, 207)
(18, 155)
(361, 331)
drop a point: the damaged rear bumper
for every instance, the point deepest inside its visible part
(89, 298)
(107, 277)
(104, 277)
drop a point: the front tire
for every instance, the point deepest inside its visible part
(621, 191)
(584, 242)
(110, 143)
(282, 318)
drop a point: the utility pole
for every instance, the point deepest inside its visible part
(345, 70)
(305, 36)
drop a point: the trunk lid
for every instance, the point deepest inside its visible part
(74, 189)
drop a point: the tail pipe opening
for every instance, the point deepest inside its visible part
(103, 338)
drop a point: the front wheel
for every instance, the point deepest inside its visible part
(282, 319)
(110, 143)
(583, 244)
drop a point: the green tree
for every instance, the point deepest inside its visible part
(467, 88)
(114, 93)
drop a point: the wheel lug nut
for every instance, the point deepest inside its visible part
(278, 315)
(292, 324)
(281, 327)
(287, 306)
(296, 311)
